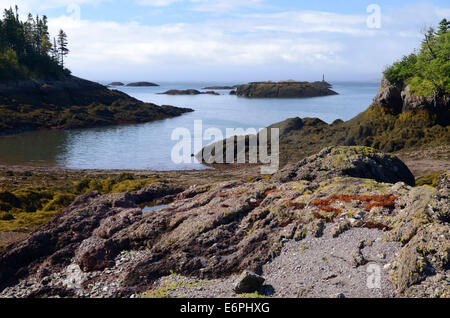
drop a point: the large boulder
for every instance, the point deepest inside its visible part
(352, 161)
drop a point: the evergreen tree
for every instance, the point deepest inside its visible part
(26, 50)
(54, 51)
(62, 46)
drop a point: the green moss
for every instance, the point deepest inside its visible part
(430, 179)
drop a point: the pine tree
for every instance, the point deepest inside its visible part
(62, 46)
(54, 51)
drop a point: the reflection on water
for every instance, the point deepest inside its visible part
(149, 146)
(40, 148)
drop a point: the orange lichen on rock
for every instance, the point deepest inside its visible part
(387, 201)
(271, 191)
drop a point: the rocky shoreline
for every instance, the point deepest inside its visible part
(72, 103)
(209, 234)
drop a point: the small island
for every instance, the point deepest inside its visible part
(141, 84)
(284, 89)
(188, 92)
(116, 84)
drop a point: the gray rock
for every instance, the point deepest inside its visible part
(248, 282)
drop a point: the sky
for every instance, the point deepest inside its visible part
(236, 40)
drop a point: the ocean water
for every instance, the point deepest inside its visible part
(149, 145)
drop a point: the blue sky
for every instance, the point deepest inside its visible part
(235, 40)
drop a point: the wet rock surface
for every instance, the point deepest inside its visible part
(313, 237)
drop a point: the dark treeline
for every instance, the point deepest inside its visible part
(27, 51)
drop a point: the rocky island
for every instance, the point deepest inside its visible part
(116, 84)
(142, 84)
(188, 92)
(283, 89)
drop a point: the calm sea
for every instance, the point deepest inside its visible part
(149, 146)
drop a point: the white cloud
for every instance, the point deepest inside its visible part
(205, 5)
(157, 3)
(112, 42)
(224, 5)
(294, 44)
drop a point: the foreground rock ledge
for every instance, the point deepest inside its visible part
(104, 246)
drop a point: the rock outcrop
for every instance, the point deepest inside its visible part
(214, 231)
(286, 89)
(400, 100)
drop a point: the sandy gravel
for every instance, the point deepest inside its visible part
(313, 267)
